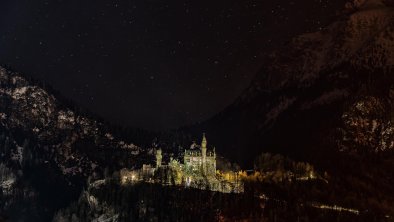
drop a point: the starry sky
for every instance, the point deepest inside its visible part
(155, 64)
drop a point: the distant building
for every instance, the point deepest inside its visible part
(198, 170)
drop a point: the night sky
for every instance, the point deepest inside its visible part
(155, 64)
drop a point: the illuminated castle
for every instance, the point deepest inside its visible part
(200, 161)
(198, 170)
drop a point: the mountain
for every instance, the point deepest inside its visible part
(327, 98)
(48, 150)
(327, 91)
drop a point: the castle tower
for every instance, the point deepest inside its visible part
(204, 147)
(158, 158)
(204, 153)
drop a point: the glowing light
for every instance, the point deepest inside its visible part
(188, 181)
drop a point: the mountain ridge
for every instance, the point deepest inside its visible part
(306, 91)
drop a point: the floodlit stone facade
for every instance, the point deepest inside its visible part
(198, 170)
(200, 161)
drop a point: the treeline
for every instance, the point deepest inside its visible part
(275, 168)
(355, 182)
(152, 202)
(30, 183)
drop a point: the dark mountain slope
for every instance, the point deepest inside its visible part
(48, 151)
(324, 92)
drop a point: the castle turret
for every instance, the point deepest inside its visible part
(204, 153)
(158, 158)
(204, 147)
